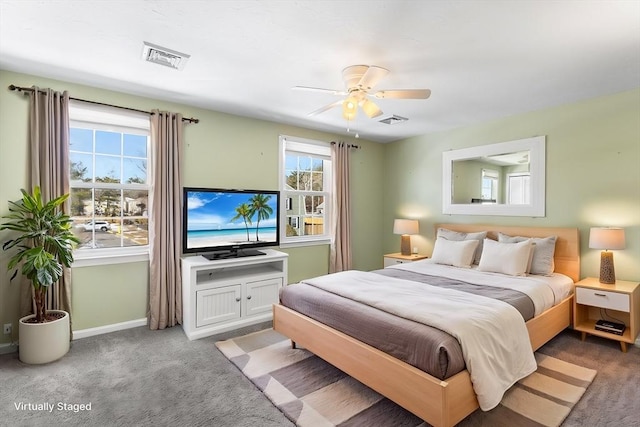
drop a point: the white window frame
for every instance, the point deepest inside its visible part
(86, 115)
(317, 149)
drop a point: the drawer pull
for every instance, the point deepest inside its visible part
(599, 295)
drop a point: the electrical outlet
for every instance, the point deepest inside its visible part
(7, 328)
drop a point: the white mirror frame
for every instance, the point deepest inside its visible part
(536, 145)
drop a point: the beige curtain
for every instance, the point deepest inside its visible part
(341, 247)
(49, 163)
(165, 290)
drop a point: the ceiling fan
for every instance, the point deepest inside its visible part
(359, 81)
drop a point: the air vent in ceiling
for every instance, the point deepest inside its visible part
(393, 120)
(163, 56)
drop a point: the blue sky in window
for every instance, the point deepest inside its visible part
(118, 156)
(302, 163)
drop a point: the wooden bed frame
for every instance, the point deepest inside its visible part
(441, 403)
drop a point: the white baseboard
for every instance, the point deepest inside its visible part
(85, 333)
(637, 344)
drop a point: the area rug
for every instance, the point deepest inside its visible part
(313, 393)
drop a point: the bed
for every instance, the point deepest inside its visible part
(440, 402)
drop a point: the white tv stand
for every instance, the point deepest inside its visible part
(225, 294)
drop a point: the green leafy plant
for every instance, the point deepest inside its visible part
(44, 243)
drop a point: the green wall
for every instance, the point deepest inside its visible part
(593, 175)
(221, 151)
(593, 179)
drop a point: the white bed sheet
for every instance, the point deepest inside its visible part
(544, 291)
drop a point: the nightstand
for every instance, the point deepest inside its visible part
(621, 301)
(398, 258)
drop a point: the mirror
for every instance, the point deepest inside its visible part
(507, 178)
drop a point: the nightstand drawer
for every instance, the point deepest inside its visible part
(398, 258)
(604, 299)
(393, 261)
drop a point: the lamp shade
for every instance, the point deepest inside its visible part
(405, 226)
(606, 238)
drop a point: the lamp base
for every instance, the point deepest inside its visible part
(405, 244)
(607, 271)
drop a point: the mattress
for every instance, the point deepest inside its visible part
(425, 347)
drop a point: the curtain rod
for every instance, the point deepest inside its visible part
(357, 147)
(29, 89)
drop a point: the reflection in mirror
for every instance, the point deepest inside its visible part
(502, 178)
(497, 179)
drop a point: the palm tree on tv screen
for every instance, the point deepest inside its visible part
(260, 206)
(244, 211)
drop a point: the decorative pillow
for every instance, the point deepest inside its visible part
(456, 253)
(505, 258)
(542, 262)
(458, 236)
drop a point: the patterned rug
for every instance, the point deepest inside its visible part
(313, 393)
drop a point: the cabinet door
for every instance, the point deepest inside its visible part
(217, 305)
(261, 295)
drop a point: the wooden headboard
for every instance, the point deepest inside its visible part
(567, 254)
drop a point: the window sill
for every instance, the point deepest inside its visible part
(305, 243)
(93, 257)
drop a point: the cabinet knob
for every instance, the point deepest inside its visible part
(248, 296)
(238, 299)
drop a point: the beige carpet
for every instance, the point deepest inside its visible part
(313, 393)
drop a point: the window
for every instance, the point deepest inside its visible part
(109, 179)
(490, 185)
(306, 187)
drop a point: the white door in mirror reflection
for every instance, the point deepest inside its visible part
(519, 189)
(487, 179)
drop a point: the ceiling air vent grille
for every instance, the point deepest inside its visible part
(393, 120)
(163, 56)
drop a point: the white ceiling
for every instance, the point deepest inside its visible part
(482, 59)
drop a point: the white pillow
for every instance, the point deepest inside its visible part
(505, 258)
(457, 236)
(456, 253)
(542, 261)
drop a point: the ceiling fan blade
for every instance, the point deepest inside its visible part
(370, 108)
(372, 77)
(403, 94)
(319, 89)
(326, 108)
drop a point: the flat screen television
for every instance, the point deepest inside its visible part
(225, 223)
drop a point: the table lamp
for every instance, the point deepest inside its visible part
(405, 227)
(606, 238)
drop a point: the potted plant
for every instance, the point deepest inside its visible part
(44, 243)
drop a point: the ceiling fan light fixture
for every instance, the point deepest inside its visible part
(350, 108)
(359, 80)
(370, 108)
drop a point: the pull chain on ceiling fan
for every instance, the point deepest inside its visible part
(359, 81)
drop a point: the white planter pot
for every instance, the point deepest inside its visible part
(43, 342)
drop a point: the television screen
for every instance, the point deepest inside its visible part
(231, 221)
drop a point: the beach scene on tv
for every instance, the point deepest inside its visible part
(223, 219)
